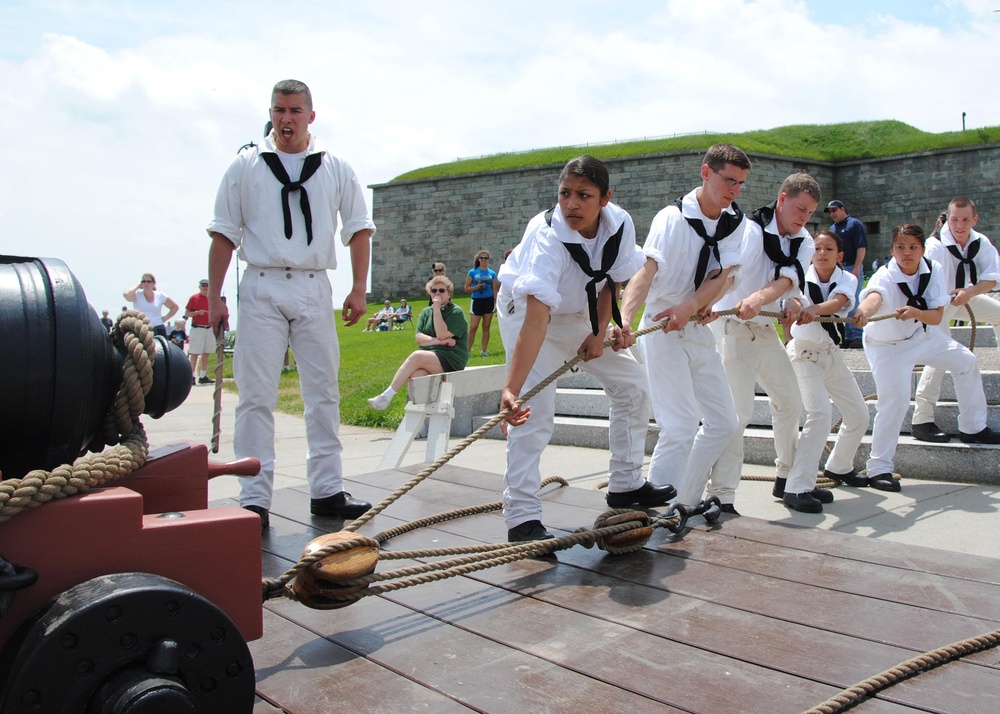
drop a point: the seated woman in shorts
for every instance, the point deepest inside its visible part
(482, 283)
(441, 335)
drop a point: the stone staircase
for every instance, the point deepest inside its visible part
(582, 409)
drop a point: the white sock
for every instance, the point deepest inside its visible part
(389, 392)
(204, 373)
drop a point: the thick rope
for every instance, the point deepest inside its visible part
(904, 670)
(133, 336)
(220, 359)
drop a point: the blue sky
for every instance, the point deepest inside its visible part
(123, 115)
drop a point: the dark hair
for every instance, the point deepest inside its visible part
(292, 86)
(801, 183)
(826, 233)
(591, 169)
(908, 229)
(719, 155)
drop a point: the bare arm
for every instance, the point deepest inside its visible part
(220, 255)
(859, 262)
(130, 293)
(361, 249)
(172, 307)
(827, 307)
(961, 296)
(750, 306)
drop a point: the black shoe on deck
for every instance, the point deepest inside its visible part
(644, 496)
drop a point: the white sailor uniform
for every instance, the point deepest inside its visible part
(822, 375)
(752, 352)
(894, 347)
(687, 381)
(286, 298)
(541, 266)
(979, 261)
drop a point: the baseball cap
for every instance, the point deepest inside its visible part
(833, 204)
(204, 281)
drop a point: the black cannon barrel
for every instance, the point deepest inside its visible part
(59, 372)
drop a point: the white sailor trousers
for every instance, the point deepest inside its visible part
(278, 308)
(892, 367)
(624, 383)
(688, 386)
(986, 309)
(751, 353)
(823, 376)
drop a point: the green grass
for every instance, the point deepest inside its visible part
(368, 361)
(823, 142)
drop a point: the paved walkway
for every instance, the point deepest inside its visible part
(947, 516)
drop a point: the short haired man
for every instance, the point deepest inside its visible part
(777, 252)
(854, 241)
(107, 321)
(289, 243)
(201, 343)
(972, 268)
(692, 248)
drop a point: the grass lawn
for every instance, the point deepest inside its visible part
(368, 361)
(825, 142)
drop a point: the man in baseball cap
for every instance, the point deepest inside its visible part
(201, 340)
(854, 241)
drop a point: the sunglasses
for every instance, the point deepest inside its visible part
(484, 257)
(439, 290)
(145, 281)
(438, 270)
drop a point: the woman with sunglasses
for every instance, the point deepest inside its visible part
(482, 283)
(441, 336)
(147, 299)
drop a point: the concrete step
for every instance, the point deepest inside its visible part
(945, 415)
(575, 384)
(963, 463)
(985, 337)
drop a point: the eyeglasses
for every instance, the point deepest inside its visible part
(145, 281)
(731, 182)
(439, 290)
(438, 270)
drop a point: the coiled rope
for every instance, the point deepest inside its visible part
(132, 335)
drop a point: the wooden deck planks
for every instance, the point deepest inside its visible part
(748, 616)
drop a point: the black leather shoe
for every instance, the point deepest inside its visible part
(528, 531)
(929, 431)
(728, 508)
(986, 436)
(779, 487)
(802, 502)
(884, 482)
(339, 505)
(822, 495)
(646, 495)
(850, 479)
(265, 518)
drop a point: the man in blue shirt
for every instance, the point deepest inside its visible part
(855, 244)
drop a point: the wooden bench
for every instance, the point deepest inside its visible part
(432, 398)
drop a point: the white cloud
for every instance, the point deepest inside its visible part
(121, 117)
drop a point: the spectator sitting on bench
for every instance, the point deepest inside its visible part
(404, 313)
(382, 316)
(442, 336)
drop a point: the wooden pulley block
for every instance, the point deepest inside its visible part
(320, 584)
(637, 536)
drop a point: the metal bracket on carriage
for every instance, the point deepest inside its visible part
(709, 509)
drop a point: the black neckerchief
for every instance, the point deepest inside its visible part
(608, 257)
(917, 300)
(311, 165)
(963, 261)
(728, 223)
(772, 246)
(837, 331)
